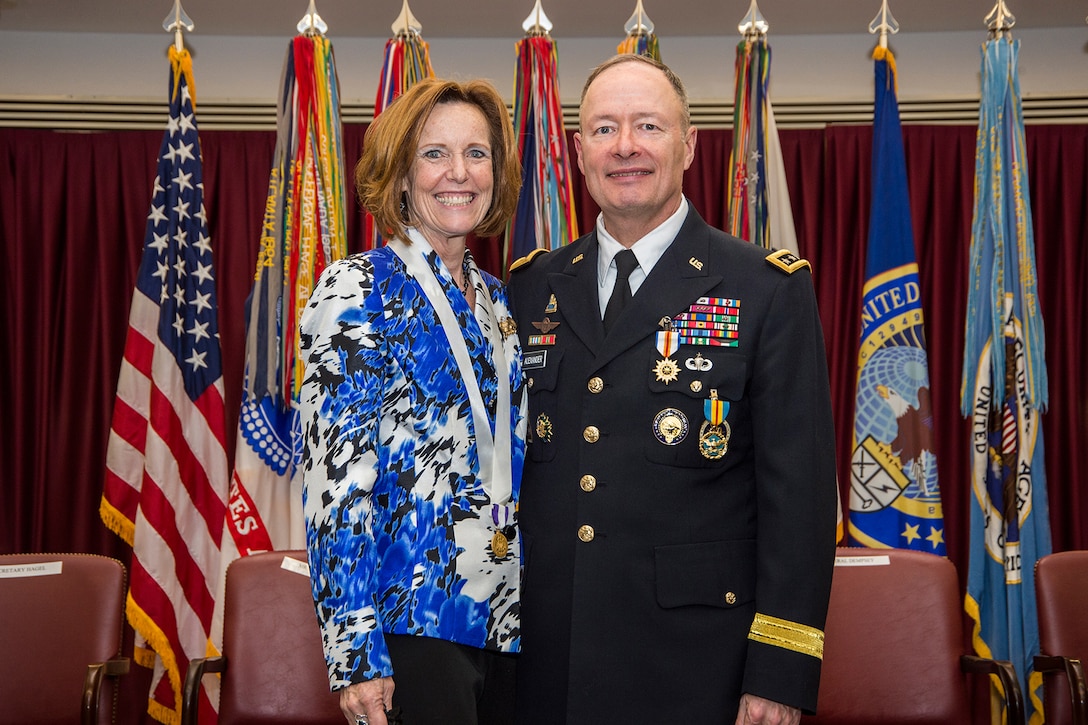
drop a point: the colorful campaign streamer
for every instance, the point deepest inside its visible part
(545, 216)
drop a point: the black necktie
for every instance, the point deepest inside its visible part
(621, 293)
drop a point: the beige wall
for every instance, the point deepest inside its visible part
(828, 68)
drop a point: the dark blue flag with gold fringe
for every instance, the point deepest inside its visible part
(895, 500)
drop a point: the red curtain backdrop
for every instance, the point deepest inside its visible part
(72, 213)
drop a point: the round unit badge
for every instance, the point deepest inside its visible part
(670, 426)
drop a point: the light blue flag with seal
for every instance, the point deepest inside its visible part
(895, 500)
(1004, 387)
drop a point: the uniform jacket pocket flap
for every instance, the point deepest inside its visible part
(696, 372)
(715, 574)
(541, 367)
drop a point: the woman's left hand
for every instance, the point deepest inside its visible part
(366, 702)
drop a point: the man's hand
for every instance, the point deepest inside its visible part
(757, 711)
(371, 698)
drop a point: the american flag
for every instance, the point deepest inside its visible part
(166, 479)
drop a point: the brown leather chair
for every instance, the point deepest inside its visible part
(61, 623)
(894, 647)
(1061, 596)
(272, 666)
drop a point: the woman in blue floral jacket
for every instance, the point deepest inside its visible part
(414, 426)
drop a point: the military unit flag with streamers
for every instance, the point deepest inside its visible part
(407, 61)
(545, 217)
(166, 463)
(1004, 387)
(304, 230)
(895, 500)
(759, 199)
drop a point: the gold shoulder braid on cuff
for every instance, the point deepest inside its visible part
(789, 635)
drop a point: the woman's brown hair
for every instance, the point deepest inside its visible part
(390, 143)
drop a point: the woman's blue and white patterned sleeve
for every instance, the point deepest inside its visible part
(340, 344)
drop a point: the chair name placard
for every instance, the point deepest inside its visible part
(292, 564)
(862, 561)
(18, 571)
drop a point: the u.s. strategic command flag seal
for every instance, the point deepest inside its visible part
(895, 501)
(894, 497)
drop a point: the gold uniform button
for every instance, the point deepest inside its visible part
(529, 382)
(585, 533)
(591, 434)
(596, 385)
(588, 482)
(730, 598)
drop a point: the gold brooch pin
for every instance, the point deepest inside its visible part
(507, 327)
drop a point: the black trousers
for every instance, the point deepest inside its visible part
(437, 681)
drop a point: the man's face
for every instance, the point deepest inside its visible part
(633, 149)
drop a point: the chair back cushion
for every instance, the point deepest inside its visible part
(893, 641)
(1061, 595)
(59, 613)
(276, 669)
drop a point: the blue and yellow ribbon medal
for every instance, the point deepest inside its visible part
(666, 369)
(715, 431)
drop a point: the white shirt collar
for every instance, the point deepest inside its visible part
(648, 251)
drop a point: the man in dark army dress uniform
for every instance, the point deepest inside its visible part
(678, 502)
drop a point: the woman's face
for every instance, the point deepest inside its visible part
(451, 180)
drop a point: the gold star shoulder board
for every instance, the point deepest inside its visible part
(787, 261)
(527, 259)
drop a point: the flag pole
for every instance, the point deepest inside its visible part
(640, 39)
(177, 21)
(999, 20)
(405, 61)
(884, 24)
(311, 23)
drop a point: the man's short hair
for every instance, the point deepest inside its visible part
(674, 81)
